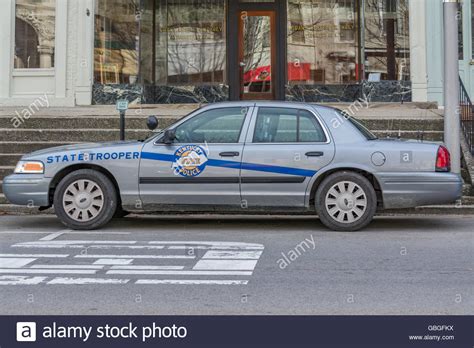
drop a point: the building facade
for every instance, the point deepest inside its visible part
(82, 52)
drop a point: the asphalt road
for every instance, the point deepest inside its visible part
(237, 265)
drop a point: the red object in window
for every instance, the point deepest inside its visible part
(296, 72)
(443, 160)
(260, 74)
(299, 71)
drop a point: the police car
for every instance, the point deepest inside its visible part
(272, 157)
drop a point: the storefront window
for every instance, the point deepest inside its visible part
(190, 42)
(117, 41)
(387, 44)
(34, 34)
(322, 41)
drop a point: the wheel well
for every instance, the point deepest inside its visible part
(63, 173)
(369, 176)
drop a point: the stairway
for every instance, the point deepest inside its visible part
(59, 126)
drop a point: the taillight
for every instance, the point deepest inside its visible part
(443, 160)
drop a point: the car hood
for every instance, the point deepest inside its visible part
(85, 146)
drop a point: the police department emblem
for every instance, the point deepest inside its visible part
(189, 161)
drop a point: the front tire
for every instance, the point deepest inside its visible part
(85, 200)
(346, 201)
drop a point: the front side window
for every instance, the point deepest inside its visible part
(219, 126)
(277, 125)
(34, 34)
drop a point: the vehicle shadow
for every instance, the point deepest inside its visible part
(282, 223)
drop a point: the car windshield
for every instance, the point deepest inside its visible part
(361, 128)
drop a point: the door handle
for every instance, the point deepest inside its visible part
(315, 154)
(229, 154)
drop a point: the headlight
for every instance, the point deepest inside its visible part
(29, 167)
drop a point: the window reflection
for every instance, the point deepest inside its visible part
(387, 44)
(34, 34)
(322, 41)
(116, 41)
(190, 42)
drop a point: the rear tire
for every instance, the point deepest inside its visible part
(85, 200)
(346, 201)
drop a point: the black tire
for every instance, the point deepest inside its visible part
(337, 210)
(102, 186)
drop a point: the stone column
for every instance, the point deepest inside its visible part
(418, 47)
(46, 56)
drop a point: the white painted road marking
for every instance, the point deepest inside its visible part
(226, 265)
(45, 271)
(212, 273)
(113, 262)
(35, 255)
(190, 282)
(54, 235)
(230, 255)
(67, 266)
(86, 281)
(21, 280)
(150, 268)
(219, 263)
(14, 262)
(138, 256)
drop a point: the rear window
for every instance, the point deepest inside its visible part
(361, 128)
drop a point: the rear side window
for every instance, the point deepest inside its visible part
(280, 125)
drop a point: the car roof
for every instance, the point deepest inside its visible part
(271, 103)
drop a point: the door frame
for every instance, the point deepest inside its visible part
(273, 52)
(279, 68)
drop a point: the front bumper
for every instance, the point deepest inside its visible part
(409, 190)
(25, 189)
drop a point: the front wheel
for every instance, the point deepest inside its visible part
(85, 200)
(346, 201)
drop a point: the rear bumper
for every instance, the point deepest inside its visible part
(29, 190)
(408, 190)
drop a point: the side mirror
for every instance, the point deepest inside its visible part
(152, 123)
(169, 137)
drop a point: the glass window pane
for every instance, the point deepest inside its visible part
(34, 34)
(190, 42)
(116, 41)
(276, 125)
(310, 129)
(257, 54)
(322, 41)
(214, 126)
(387, 41)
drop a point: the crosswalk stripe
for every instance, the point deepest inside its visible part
(189, 282)
(45, 271)
(86, 281)
(213, 273)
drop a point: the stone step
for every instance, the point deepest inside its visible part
(86, 122)
(8, 147)
(397, 124)
(9, 159)
(413, 135)
(72, 135)
(134, 121)
(6, 170)
(92, 135)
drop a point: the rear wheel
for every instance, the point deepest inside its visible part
(85, 200)
(346, 201)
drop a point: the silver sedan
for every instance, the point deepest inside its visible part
(272, 157)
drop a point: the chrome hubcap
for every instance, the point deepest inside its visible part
(346, 202)
(83, 200)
